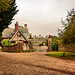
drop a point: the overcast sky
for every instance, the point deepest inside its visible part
(42, 16)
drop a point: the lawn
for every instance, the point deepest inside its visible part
(68, 55)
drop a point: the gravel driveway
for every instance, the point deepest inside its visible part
(34, 63)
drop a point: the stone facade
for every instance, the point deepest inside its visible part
(20, 34)
(66, 48)
(15, 48)
(49, 43)
(38, 39)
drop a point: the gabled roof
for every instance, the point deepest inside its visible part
(25, 38)
(9, 32)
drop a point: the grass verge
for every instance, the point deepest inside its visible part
(68, 55)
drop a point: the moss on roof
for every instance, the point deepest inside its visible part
(9, 32)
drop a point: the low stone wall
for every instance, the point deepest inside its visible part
(15, 48)
(66, 48)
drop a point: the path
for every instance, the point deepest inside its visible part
(42, 49)
(35, 63)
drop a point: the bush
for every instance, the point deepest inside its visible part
(33, 50)
(41, 44)
(46, 43)
(6, 42)
(26, 51)
(55, 47)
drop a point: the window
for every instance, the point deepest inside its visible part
(18, 35)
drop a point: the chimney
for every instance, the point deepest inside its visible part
(25, 25)
(16, 27)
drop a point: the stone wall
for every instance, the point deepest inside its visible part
(15, 48)
(20, 46)
(49, 47)
(66, 48)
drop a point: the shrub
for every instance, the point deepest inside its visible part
(6, 42)
(33, 50)
(46, 43)
(41, 44)
(26, 51)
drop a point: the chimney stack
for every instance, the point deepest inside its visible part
(16, 27)
(25, 25)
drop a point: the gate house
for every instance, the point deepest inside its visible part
(18, 35)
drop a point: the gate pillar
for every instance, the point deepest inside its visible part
(49, 43)
(30, 43)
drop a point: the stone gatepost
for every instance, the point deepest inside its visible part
(30, 43)
(49, 43)
(30, 46)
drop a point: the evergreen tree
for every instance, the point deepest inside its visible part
(7, 16)
(4, 5)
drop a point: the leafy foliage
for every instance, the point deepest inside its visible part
(7, 16)
(6, 42)
(26, 51)
(41, 44)
(67, 35)
(8, 9)
(4, 5)
(46, 43)
(54, 43)
(54, 40)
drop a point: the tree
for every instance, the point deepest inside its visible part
(67, 35)
(7, 15)
(54, 40)
(54, 43)
(4, 5)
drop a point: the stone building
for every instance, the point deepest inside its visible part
(19, 34)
